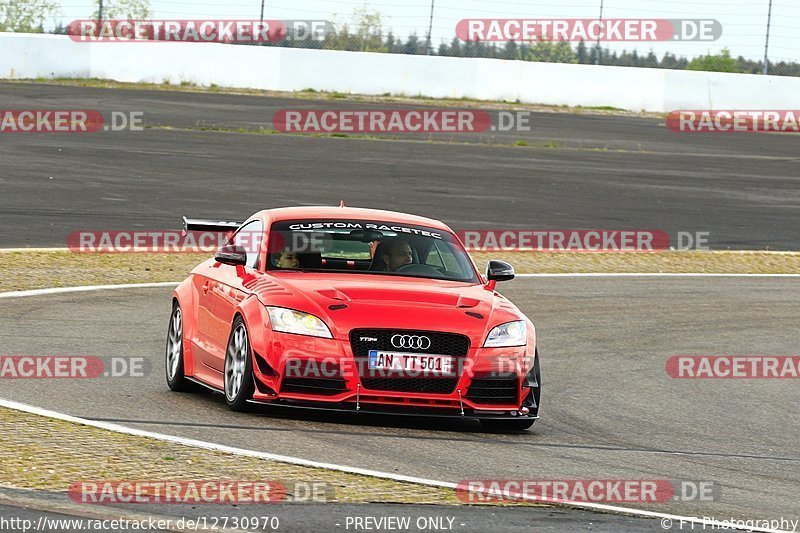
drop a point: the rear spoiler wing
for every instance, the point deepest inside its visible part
(197, 224)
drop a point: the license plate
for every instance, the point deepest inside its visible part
(412, 363)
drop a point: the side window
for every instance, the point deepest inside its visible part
(249, 236)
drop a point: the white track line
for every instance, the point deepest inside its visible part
(23, 250)
(653, 274)
(315, 464)
(342, 468)
(84, 288)
(470, 250)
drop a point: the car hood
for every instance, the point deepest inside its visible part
(348, 301)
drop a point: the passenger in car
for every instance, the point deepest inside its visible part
(287, 259)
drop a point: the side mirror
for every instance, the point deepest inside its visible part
(232, 254)
(499, 271)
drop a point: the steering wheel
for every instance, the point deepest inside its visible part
(417, 268)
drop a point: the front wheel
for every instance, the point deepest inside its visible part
(239, 384)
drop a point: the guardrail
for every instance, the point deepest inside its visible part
(24, 56)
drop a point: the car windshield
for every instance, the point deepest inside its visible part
(371, 247)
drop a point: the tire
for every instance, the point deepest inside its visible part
(512, 424)
(176, 379)
(238, 375)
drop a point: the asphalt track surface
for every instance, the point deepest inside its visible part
(601, 172)
(609, 411)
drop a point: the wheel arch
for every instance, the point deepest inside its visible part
(253, 313)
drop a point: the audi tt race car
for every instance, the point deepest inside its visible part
(353, 309)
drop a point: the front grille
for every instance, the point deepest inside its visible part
(321, 386)
(441, 343)
(497, 389)
(451, 344)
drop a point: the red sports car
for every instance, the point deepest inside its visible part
(353, 309)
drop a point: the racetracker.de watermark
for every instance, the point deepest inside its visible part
(175, 241)
(72, 367)
(733, 366)
(56, 523)
(400, 121)
(576, 30)
(180, 492)
(571, 240)
(587, 490)
(199, 31)
(402, 363)
(68, 121)
(734, 121)
(161, 241)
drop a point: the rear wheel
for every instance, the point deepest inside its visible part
(239, 385)
(176, 379)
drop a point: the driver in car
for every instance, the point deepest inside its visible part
(398, 254)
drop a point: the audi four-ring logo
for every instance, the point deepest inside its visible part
(415, 342)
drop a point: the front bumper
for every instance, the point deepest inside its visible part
(490, 382)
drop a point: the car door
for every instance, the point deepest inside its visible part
(227, 289)
(204, 345)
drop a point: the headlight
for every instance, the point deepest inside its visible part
(508, 334)
(291, 321)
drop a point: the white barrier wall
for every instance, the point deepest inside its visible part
(289, 69)
(42, 56)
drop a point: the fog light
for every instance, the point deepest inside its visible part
(524, 411)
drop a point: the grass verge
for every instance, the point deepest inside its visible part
(36, 269)
(41, 453)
